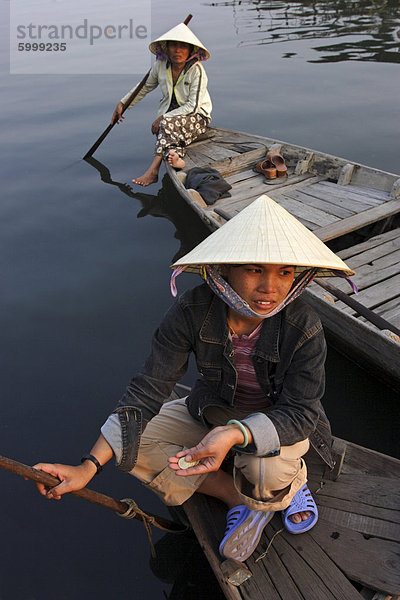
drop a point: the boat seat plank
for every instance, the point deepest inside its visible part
(344, 197)
(359, 220)
(375, 491)
(367, 519)
(214, 151)
(341, 199)
(370, 195)
(303, 211)
(337, 197)
(373, 562)
(199, 158)
(365, 524)
(309, 199)
(346, 253)
(364, 461)
(228, 166)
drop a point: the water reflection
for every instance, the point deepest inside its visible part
(167, 204)
(361, 30)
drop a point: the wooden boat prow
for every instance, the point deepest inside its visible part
(337, 200)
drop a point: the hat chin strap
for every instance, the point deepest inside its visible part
(223, 290)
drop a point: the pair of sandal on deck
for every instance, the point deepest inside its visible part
(245, 526)
(273, 166)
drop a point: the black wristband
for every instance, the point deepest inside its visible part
(94, 461)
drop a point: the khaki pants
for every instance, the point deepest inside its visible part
(263, 483)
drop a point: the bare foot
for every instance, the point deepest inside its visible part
(299, 517)
(147, 178)
(151, 175)
(175, 160)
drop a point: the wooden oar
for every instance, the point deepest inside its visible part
(118, 506)
(128, 103)
(362, 310)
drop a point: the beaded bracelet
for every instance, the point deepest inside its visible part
(243, 430)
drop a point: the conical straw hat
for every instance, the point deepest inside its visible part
(180, 33)
(264, 232)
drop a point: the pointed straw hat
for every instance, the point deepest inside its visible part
(264, 233)
(180, 33)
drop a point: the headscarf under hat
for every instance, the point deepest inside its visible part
(262, 233)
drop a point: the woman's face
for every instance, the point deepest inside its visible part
(262, 286)
(178, 52)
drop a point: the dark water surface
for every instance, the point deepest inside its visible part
(84, 264)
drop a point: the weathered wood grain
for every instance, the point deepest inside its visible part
(315, 574)
(372, 562)
(357, 221)
(306, 196)
(374, 295)
(304, 211)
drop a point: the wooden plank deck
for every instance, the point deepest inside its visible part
(329, 208)
(377, 266)
(355, 540)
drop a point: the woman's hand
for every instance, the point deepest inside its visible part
(211, 451)
(72, 478)
(117, 114)
(156, 125)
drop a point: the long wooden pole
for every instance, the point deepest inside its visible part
(86, 494)
(128, 103)
(362, 310)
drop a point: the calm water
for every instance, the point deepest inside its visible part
(84, 264)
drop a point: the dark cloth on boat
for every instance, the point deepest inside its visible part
(208, 182)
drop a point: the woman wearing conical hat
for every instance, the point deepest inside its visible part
(260, 353)
(185, 108)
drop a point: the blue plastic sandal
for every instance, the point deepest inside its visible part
(302, 501)
(243, 532)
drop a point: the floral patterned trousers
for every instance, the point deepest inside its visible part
(175, 133)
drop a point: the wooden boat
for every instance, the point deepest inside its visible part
(352, 553)
(351, 207)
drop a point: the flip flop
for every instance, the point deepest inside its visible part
(302, 501)
(243, 532)
(278, 161)
(266, 168)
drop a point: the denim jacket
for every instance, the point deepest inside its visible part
(288, 361)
